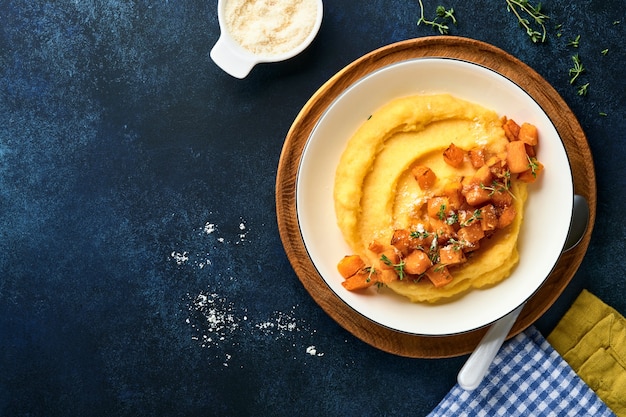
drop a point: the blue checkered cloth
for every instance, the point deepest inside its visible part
(527, 378)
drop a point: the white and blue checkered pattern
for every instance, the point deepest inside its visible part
(527, 378)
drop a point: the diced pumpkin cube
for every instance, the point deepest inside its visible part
(482, 176)
(451, 255)
(516, 157)
(528, 134)
(506, 217)
(439, 275)
(477, 157)
(497, 166)
(511, 130)
(350, 265)
(388, 258)
(452, 190)
(402, 240)
(443, 230)
(531, 174)
(488, 218)
(425, 176)
(385, 276)
(454, 155)
(438, 207)
(466, 216)
(422, 236)
(471, 233)
(417, 262)
(476, 195)
(361, 280)
(501, 198)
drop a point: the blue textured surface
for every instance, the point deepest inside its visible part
(141, 271)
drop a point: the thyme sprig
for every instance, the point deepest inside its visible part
(416, 234)
(399, 267)
(574, 42)
(443, 15)
(498, 187)
(446, 13)
(582, 90)
(476, 215)
(441, 214)
(452, 218)
(533, 165)
(576, 70)
(447, 218)
(457, 245)
(370, 271)
(535, 27)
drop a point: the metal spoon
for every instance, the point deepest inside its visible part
(474, 370)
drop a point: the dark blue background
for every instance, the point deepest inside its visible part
(141, 270)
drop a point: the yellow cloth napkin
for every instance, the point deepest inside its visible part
(591, 337)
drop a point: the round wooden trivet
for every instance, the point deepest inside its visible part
(470, 50)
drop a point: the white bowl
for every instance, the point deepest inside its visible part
(547, 214)
(237, 61)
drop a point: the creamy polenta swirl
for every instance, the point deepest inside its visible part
(376, 194)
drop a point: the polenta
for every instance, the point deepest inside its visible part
(426, 199)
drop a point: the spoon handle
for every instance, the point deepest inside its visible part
(474, 370)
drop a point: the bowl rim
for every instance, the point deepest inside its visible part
(368, 309)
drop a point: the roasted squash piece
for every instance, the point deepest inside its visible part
(454, 155)
(425, 176)
(516, 157)
(528, 134)
(488, 218)
(350, 265)
(483, 175)
(417, 262)
(438, 207)
(477, 156)
(476, 195)
(439, 275)
(389, 257)
(385, 276)
(531, 174)
(451, 255)
(506, 217)
(402, 241)
(501, 198)
(361, 280)
(511, 129)
(472, 233)
(452, 191)
(443, 230)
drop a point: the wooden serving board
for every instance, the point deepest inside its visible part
(470, 50)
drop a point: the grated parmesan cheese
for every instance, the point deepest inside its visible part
(270, 27)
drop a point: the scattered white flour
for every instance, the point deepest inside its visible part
(228, 356)
(218, 325)
(270, 27)
(179, 257)
(216, 319)
(209, 235)
(243, 233)
(209, 228)
(311, 350)
(279, 324)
